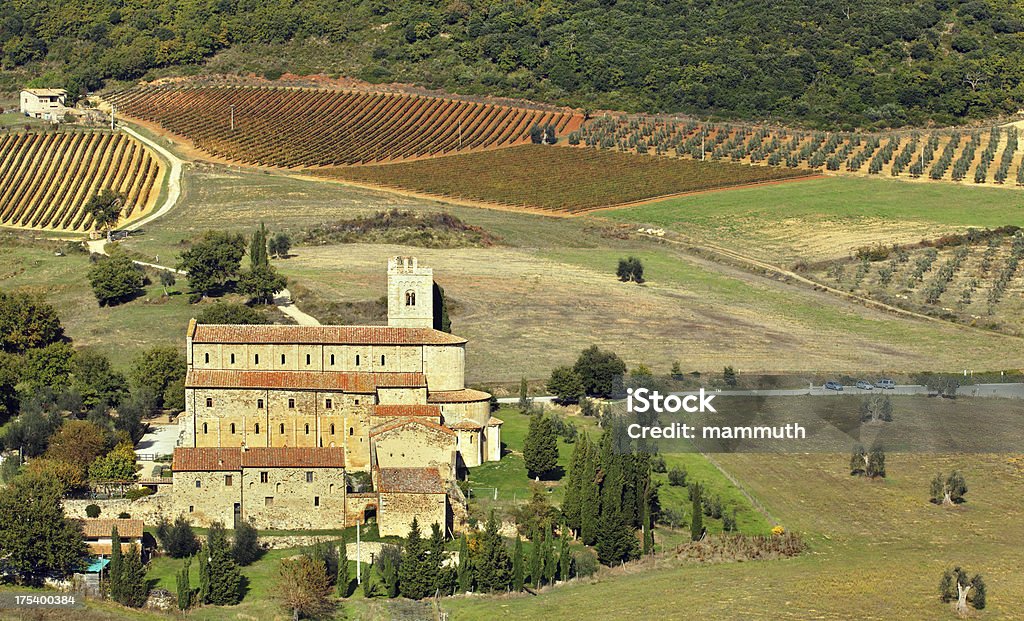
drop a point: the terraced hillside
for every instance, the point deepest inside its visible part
(289, 127)
(979, 156)
(47, 177)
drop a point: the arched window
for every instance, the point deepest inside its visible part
(351, 431)
(282, 358)
(382, 361)
(204, 428)
(256, 358)
(307, 429)
(257, 427)
(332, 360)
(232, 428)
(332, 429)
(307, 359)
(282, 428)
(357, 360)
(206, 358)
(410, 298)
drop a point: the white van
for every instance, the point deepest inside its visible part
(885, 384)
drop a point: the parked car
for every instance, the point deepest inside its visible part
(836, 386)
(885, 384)
(864, 385)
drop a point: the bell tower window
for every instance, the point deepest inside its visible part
(410, 298)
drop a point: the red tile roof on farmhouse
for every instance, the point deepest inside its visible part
(303, 380)
(322, 335)
(407, 410)
(410, 421)
(213, 459)
(100, 528)
(466, 395)
(411, 481)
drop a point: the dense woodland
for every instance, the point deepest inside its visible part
(870, 64)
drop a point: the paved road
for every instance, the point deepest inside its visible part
(1006, 391)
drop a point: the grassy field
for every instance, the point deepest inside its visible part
(830, 217)
(560, 179)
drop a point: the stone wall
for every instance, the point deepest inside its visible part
(149, 509)
(356, 505)
(295, 502)
(414, 445)
(213, 500)
(308, 357)
(397, 511)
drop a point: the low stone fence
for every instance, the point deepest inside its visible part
(149, 509)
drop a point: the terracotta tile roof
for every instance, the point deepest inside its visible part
(494, 420)
(466, 395)
(407, 410)
(467, 424)
(293, 457)
(206, 459)
(410, 421)
(98, 528)
(213, 459)
(105, 549)
(411, 481)
(303, 380)
(323, 335)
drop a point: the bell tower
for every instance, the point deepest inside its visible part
(410, 294)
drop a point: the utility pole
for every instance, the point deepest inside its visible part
(460, 133)
(232, 117)
(111, 118)
(703, 133)
(359, 562)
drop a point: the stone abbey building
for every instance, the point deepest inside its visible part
(278, 418)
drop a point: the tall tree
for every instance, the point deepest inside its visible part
(590, 504)
(598, 370)
(550, 557)
(566, 385)
(27, 322)
(413, 577)
(258, 256)
(105, 209)
(442, 321)
(536, 557)
(161, 369)
(517, 565)
(464, 575)
(697, 517)
(115, 568)
(390, 564)
(493, 566)
(213, 261)
(134, 588)
(344, 579)
(36, 538)
(564, 556)
(225, 578)
(115, 280)
(572, 503)
(245, 545)
(540, 449)
(261, 283)
(184, 588)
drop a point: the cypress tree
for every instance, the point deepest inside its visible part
(184, 588)
(204, 574)
(540, 449)
(368, 581)
(493, 565)
(342, 583)
(572, 504)
(615, 539)
(535, 558)
(225, 579)
(441, 320)
(134, 589)
(413, 579)
(114, 569)
(464, 574)
(697, 520)
(550, 559)
(564, 556)
(435, 558)
(648, 527)
(517, 565)
(258, 248)
(590, 504)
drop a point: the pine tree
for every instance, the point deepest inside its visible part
(435, 559)
(464, 574)
(114, 569)
(342, 583)
(184, 588)
(697, 520)
(517, 565)
(540, 449)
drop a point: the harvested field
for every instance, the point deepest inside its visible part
(557, 179)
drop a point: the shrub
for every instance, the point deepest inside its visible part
(245, 547)
(177, 539)
(124, 515)
(138, 492)
(585, 562)
(677, 476)
(92, 510)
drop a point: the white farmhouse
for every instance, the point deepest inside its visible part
(44, 103)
